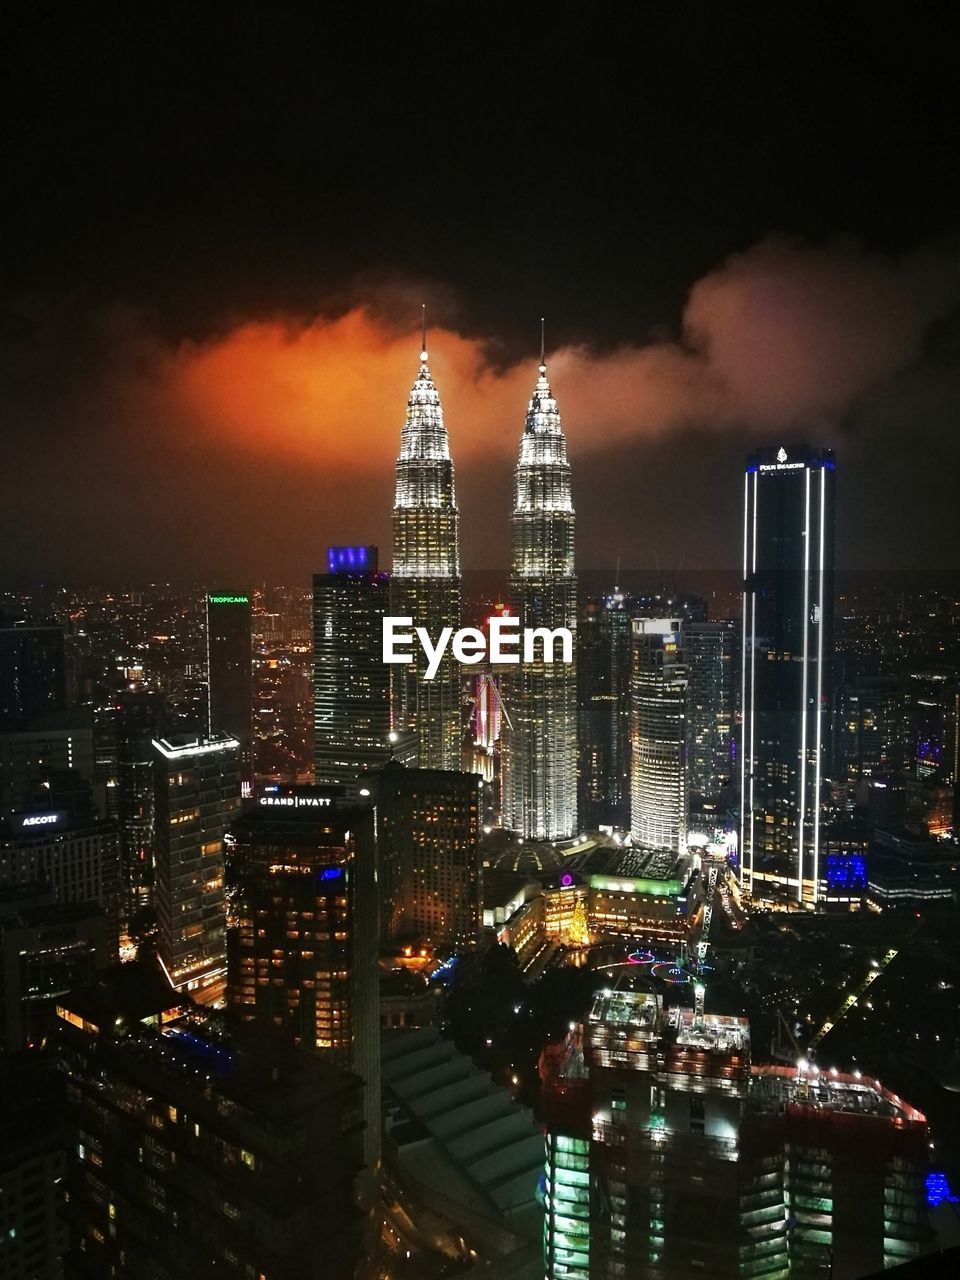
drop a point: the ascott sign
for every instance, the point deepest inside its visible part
(39, 822)
(469, 644)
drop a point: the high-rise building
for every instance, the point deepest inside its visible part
(658, 734)
(230, 672)
(33, 1162)
(710, 659)
(198, 1151)
(425, 582)
(197, 798)
(32, 674)
(46, 949)
(668, 1156)
(303, 956)
(77, 858)
(429, 855)
(539, 767)
(603, 672)
(787, 649)
(139, 719)
(351, 682)
(51, 745)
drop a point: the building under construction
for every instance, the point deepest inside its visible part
(669, 1155)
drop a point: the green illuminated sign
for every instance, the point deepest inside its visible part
(654, 888)
(228, 599)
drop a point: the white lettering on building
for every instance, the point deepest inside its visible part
(469, 645)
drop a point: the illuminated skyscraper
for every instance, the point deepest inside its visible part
(603, 673)
(425, 583)
(303, 957)
(658, 691)
(197, 797)
(540, 749)
(709, 654)
(230, 672)
(199, 1148)
(351, 683)
(429, 855)
(786, 670)
(670, 1156)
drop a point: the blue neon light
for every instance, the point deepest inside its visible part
(846, 871)
(350, 559)
(331, 873)
(938, 1189)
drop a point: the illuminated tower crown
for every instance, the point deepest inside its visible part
(426, 521)
(540, 745)
(426, 574)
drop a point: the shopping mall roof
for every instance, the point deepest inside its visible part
(460, 1134)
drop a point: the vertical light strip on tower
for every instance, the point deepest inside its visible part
(804, 682)
(741, 852)
(425, 584)
(540, 750)
(819, 708)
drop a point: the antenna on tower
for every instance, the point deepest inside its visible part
(543, 367)
(423, 332)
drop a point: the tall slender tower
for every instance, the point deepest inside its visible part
(426, 575)
(786, 671)
(540, 749)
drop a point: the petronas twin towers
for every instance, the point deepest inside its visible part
(539, 778)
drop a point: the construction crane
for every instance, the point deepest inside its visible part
(851, 998)
(699, 990)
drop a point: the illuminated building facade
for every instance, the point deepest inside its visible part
(658, 690)
(603, 671)
(669, 1156)
(351, 683)
(46, 949)
(787, 648)
(198, 1151)
(303, 955)
(139, 719)
(429, 855)
(197, 797)
(710, 657)
(539, 761)
(77, 858)
(642, 896)
(230, 673)
(425, 582)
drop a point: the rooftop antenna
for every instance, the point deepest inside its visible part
(423, 333)
(543, 367)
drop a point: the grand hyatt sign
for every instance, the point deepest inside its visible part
(298, 802)
(469, 644)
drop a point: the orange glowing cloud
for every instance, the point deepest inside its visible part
(783, 335)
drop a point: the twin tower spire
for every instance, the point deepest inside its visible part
(538, 761)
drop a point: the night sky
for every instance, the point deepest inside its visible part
(741, 221)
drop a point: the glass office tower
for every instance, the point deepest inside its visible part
(787, 650)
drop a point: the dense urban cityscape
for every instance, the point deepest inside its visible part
(513, 968)
(480, 642)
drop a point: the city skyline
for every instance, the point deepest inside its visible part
(480, 643)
